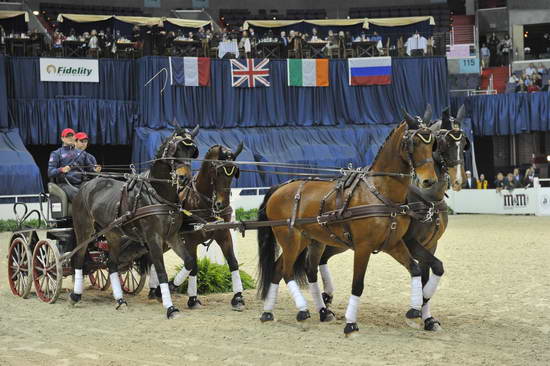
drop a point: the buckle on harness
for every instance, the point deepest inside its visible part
(405, 209)
(322, 223)
(393, 225)
(430, 213)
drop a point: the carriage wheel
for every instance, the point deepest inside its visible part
(19, 268)
(100, 279)
(47, 271)
(132, 280)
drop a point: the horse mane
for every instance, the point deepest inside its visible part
(162, 146)
(384, 143)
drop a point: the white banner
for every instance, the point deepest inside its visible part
(69, 69)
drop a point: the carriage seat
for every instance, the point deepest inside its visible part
(60, 206)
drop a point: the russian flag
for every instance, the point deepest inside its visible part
(369, 71)
(190, 71)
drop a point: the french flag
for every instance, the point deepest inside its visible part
(190, 71)
(369, 71)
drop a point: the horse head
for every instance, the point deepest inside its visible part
(452, 142)
(222, 171)
(179, 148)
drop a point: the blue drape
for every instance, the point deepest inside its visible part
(3, 94)
(19, 174)
(117, 81)
(506, 114)
(318, 147)
(41, 121)
(416, 82)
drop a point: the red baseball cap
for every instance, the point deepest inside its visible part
(67, 131)
(81, 136)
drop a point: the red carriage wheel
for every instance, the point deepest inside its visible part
(132, 280)
(100, 279)
(47, 271)
(19, 267)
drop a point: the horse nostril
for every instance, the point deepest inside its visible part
(428, 182)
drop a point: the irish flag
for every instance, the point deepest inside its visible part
(369, 71)
(190, 71)
(307, 72)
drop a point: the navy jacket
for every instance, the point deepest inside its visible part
(67, 155)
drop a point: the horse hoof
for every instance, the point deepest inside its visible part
(413, 318)
(433, 325)
(172, 312)
(327, 298)
(351, 329)
(121, 304)
(74, 298)
(267, 317)
(325, 315)
(194, 303)
(303, 315)
(237, 302)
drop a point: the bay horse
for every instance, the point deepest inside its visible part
(102, 200)
(385, 185)
(207, 198)
(422, 236)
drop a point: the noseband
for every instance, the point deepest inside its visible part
(443, 147)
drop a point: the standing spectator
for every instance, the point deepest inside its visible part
(541, 69)
(284, 41)
(245, 44)
(518, 180)
(93, 45)
(482, 183)
(530, 70)
(499, 182)
(58, 39)
(314, 35)
(493, 43)
(529, 178)
(470, 182)
(506, 50)
(485, 56)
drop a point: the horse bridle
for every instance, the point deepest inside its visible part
(168, 156)
(443, 146)
(426, 136)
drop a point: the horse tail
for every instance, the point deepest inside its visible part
(267, 249)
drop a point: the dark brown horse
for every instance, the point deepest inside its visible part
(422, 236)
(385, 185)
(207, 197)
(100, 202)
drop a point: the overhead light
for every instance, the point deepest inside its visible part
(35, 12)
(274, 18)
(548, 158)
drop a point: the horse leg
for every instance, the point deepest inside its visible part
(401, 253)
(193, 302)
(84, 230)
(112, 264)
(156, 252)
(187, 251)
(360, 262)
(314, 252)
(430, 282)
(225, 241)
(153, 283)
(328, 286)
(271, 297)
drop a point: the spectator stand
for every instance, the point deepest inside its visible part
(15, 26)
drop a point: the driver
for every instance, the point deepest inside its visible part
(63, 163)
(88, 160)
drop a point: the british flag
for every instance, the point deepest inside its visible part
(250, 73)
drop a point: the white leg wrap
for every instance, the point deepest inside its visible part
(181, 276)
(426, 313)
(431, 286)
(299, 299)
(236, 281)
(271, 298)
(166, 298)
(315, 292)
(153, 278)
(327, 279)
(192, 286)
(78, 282)
(416, 292)
(353, 307)
(115, 284)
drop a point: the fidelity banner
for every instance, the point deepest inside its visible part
(69, 69)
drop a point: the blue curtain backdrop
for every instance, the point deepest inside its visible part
(318, 147)
(19, 174)
(506, 114)
(416, 82)
(3, 94)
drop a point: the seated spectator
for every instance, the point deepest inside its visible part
(201, 34)
(482, 183)
(541, 69)
(518, 180)
(509, 182)
(191, 36)
(513, 79)
(375, 37)
(332, 42)
(499, 182)
(470, 183)
(58, 39)
(546, 87)
(180, 36)
(72, 35)
(529, 177)
(521, 88)
(486, 56)
(530, 70)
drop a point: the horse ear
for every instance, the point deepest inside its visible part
(428, 114)
(175, 123)
(238, 150)
(461, 113)
(411, 121)
(195, 131)
(446, 119)
(436, 126)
